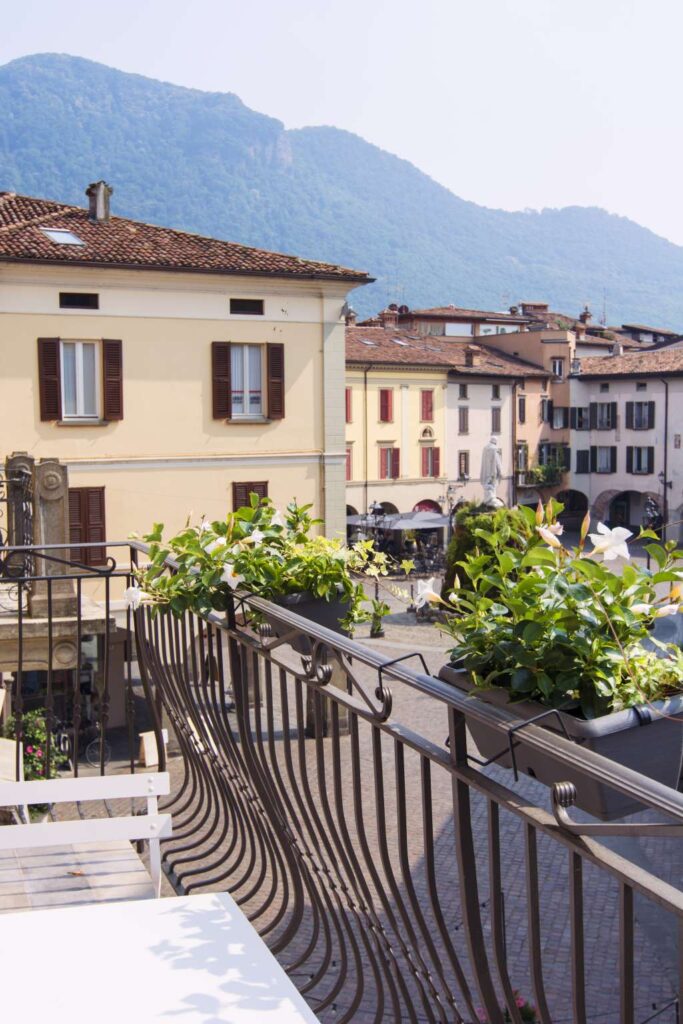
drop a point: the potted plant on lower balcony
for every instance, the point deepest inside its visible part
(258, 550)
(545, 627)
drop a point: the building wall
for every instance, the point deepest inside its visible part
(365, 435)
(168, 456)
(479, 402)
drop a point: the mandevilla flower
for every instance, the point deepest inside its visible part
(255, 537)
(610, 544)
(548, 535)
(667, 609)
(134, 597)
(230, 577)
(426, 593)
(278, 519)
(215, 545)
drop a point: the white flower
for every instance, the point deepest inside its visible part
(134, 597)
(610, 543)
(255, 537)
(278, 519)
(454, 596)
(204, 526)
(557, 529)
(230, 577)
(219, 542)
(667, 609)
(426, 593)
(642, 609)
(548, 535)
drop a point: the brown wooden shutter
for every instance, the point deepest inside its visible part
(436, 462)
(112, 375)
(276, 381)
(395, 463)
(629, 456)
(87, 524)
(629, 415)
(76, 524)
(593, 459)
(221, 383)
(650, 415)
(49, 379)
(650, 460)
(241, 492)
(613, 459)
(613, 415)
(593, 415)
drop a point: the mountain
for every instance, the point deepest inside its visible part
(205, 162)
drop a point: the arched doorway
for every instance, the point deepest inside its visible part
(389, 508)
(351, 511)
(575, 507)
(625, 508)
(427, 505)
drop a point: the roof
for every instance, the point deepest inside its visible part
(120, 242)
(444, 312)
(397, 347)
(650, 363)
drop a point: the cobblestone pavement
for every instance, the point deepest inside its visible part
(655, 933)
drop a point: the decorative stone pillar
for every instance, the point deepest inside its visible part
(51, 526)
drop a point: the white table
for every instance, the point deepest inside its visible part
(187, 959)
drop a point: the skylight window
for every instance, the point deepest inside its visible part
(398, 341)
(62, 237)
(370, 344)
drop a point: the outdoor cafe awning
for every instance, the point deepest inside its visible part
(402, 521)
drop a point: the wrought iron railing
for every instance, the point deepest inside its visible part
(394, 877)
(16, 523)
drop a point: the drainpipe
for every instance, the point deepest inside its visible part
(515, 385)
(365, 434)
(665, 482)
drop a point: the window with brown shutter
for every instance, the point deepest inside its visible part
(87, 524)
(220, 380)
(349, 464)
(241, 492)
(49, 379)
(276, 381)
(386, 405)
(112, 379)
(427, 403)
(349, 406)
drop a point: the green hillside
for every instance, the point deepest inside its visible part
(205, 162)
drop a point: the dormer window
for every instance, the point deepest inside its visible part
(469, 359)
(62, 237)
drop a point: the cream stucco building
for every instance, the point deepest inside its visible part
(170, 372)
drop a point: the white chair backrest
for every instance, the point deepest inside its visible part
(151, 826)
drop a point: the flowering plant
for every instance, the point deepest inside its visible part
(559, 625)
(34, 738)
(259, 550)
(527, 1011)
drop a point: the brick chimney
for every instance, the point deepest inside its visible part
(586, 316)
(351, 317)
(98, 193)
(389, 318)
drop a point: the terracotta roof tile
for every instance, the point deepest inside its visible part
(653, 362)
(478, 314)
(398, 347)
(130, 243)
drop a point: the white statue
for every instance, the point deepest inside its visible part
(491, 473)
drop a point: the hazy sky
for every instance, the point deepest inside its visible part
(510, 103)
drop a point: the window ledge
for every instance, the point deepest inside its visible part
(248, 419)
(82, 423)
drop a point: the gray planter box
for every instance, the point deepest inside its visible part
(323, 613)
(646, 743)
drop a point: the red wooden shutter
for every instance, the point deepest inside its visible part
(425, 462)
(276, 382)
(385, 405)
(395, 463)
(349, 464)
(348, 405)
(436, 462)
(427, 405)
(112, 375)
(76, 524)
(49, 379)
(383, 463)
(221, 384)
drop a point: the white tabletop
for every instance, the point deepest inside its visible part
(188, 959)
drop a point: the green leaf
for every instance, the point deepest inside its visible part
(657, 552)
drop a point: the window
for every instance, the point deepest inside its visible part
(463, 465)
(557, 366)
(86, 524)
(80, 373)
(640, 415)
(640, 460)
(545, 409)
(349, 463)
(386, 405)
(431, 459)
(80, 380)
(521, 408)
(246, 307)
(469, 359)
(582, 461)
(641, 385)
(603, 459)
(62, 237)
(604, 387)
(79, 300)
(580, 418)
(462, 391)
(603, 415)
(427, 406)
(463, 420)
(241, 390)
(246, 381)
(560, 418)
(495, 391)
(522, 456)
(495, 419)
(389, 463)
(241, 492)
(349, 404)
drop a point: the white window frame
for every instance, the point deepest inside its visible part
(641, 415)
(555, 362)
(81, 416)
(247, 414)
(602, 449)
(604, 422)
